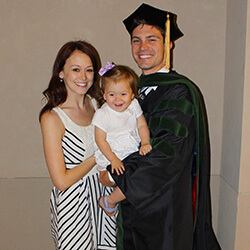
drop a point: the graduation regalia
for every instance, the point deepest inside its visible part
(159, 212)
(167, 204)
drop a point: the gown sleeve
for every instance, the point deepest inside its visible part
(171, 125)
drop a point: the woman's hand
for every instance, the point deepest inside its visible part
(104, 179)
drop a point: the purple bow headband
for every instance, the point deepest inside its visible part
(107, 67)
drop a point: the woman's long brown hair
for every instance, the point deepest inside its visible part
(56, 92)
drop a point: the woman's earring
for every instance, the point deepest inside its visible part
(61, 80)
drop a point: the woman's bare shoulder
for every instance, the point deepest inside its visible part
(51, 120)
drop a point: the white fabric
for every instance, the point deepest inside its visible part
(163, 70)
(121, 130)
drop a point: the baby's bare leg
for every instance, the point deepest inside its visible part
(115, 197)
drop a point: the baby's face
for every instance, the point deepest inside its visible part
(118, 95)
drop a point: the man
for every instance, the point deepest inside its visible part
(167, 192)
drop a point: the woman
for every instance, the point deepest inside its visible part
(72, 97)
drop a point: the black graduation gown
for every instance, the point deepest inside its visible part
(158, 211)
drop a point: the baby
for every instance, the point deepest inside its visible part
(120, 127)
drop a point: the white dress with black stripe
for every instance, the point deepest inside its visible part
(76, 220)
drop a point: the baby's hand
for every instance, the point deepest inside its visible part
(117, 165)
(145, 148)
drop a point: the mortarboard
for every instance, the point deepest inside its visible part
(154, 16)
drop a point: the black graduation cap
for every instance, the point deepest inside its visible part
(154, 16)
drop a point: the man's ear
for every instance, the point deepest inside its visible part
(171, 45)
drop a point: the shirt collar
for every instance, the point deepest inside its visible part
(163, 70)
(146, 90)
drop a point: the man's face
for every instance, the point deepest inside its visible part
(148, 48)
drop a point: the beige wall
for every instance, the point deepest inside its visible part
(31, 34)
(242, 240)
(33, 31)
(24, 219)
(233, 219)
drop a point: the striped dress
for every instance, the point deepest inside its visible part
(76, 220)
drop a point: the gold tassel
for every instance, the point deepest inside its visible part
(167, 43)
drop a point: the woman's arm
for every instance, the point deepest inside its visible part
(100, 138)
(144, 135)
(52, 132)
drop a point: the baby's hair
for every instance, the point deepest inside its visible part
(120, 72)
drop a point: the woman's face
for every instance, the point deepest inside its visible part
(78, 73)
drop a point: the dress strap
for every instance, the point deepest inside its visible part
(62, 115)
